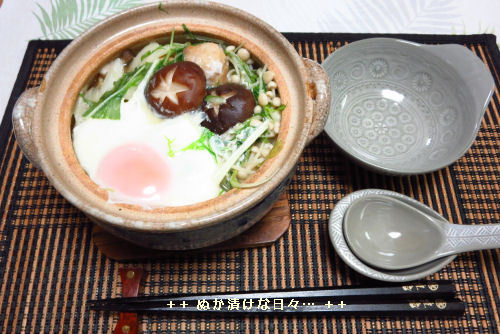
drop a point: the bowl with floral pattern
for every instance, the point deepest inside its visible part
(402, 108)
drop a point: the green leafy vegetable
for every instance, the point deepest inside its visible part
(189, 33)
(256, 91)
(238, 47)
(200, 38)
(243, 67)
(281, 107)
(265, 140)
(244, 127)
(161, 9)
(174, 49)
(278, 145)
(150, 52)
(215, 99)
(235, 156)
(236, 184)
(268, 110)
(203, 143)
(179, 56)
(166, 60)
(234, 180)
(108, 105)
(226, 184)
(249, 77)
(261, 85)
(87, 101)
(171, 152)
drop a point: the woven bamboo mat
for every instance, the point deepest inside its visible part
(49, 265)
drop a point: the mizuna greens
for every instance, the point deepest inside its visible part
(108, 105)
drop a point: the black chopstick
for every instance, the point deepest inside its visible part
(437, 289)
(440, 307)
(361, 299)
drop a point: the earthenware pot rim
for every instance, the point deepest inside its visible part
(161, 223)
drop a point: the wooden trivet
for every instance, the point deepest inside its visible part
(263, 233)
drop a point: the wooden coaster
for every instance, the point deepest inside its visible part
(263, 233)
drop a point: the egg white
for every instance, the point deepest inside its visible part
(191, 171)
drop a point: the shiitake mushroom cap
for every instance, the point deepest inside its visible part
(238, 107)
(183, 80)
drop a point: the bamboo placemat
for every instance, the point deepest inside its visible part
(49, 265)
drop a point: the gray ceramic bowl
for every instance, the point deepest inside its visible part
(405, 108)
(342, 248)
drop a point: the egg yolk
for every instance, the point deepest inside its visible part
(135, 170)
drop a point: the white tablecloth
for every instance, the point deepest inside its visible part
(24, 20)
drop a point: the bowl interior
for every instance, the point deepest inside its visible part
(398, 107)
(81, 60)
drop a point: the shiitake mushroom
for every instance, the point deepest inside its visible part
(227, 105)
(177, 88)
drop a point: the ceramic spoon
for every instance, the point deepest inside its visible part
(390, 234)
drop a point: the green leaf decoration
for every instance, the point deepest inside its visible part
(419, 16)
(67, 19)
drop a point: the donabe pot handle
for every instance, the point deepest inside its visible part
(318, 90)
(22, 118)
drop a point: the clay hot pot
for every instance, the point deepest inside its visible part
(42, 121)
